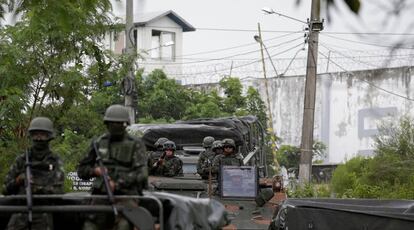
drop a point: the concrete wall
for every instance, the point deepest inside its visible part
(349, 106)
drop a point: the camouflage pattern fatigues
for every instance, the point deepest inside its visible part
(126, 162)
(170, 166)
(47, 178)
(232, 160)
(153, 157)
(204, 162)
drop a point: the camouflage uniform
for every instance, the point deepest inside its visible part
(125, 159)
(153, 156)
(208, 158)
(47, 177)
(168, 165)
(232, 159)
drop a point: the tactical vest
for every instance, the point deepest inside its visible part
(47, 178)
(233, 160)
(118, 158)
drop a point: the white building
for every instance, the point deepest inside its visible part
(158, 37)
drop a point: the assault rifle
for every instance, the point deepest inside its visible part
(29, 198)
(105, 177)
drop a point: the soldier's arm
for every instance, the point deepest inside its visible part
(139, 172)
(215, 168)
(15, 177)
(200, 162)
(180, 167)
(58, 187)
(87, 165)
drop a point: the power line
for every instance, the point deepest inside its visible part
(223, 29)
(369, 83)
(239, 66)
(223, 58)
(369, 33)
(371, 44)
(283, 31)
(352, 58)
(239, 46)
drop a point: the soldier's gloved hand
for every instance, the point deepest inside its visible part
(21, 178)
(99, 172)
(112, 184)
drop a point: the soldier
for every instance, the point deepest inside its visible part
(168, 164)
(204, 157)
(125, 160)
(217, 149)
(229, 156)
(153, 156)
(47, 174)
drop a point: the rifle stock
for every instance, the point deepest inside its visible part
(28, 188)
(105, 177)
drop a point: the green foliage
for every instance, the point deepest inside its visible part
(52, 64)
(255, 105)
(310, 191)
(233, 91)
(389, 174)
(289, 156)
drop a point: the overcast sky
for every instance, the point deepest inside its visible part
(217, 22)
(245, 14)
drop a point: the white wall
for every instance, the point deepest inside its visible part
(144, 43)
(347, 111)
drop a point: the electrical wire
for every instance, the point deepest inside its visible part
(368, 33)
(351, 58)
(291, 61)
(223, 58)
(239, 46)
(367, 43)
(369, 83)
(239, 66)
(284, 31)
(222, 29)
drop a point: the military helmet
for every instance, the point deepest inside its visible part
(217, 144)
(160, 142)
(208, 141)
(42, 124)
(168, 145)
(116, 113)
(229, 141)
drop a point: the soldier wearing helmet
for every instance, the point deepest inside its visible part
(205, 157)
(168, 164)
(229, 156)
(125, 161)
(47, 175)
(153, 156)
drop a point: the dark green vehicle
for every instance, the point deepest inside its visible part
(244, 191)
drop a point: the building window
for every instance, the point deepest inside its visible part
(163, 45)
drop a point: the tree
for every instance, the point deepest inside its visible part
(233, 90)
(255, 105)
(52, 63)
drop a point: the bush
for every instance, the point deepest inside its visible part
(310, 191)
(387, 175)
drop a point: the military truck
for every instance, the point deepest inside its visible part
(246, 192)
(344, 214)
(156, 210)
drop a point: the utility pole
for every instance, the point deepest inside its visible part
(129, 80)
(305, 165)
(269, 108)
